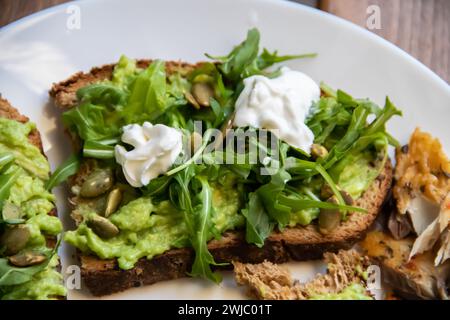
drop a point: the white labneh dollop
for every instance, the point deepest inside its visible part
(279, 105)
(155, 149)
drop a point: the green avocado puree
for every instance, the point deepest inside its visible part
(28, 192)
(355, 291)
(148, 229)
(14, 139)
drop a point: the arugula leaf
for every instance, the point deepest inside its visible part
(197, 210)
(7, 180)
(268, 194)
(157, 186)
(103, 94)
(258, 224)
(148, 94)
(267, 59)
(98, 150)
(357, 124)
(6, 158)
(64, 171)
(11, 275)
(243, 61)
(386, 113)
(89, 122)
(301, 204)
(203, 211)
(240, 57)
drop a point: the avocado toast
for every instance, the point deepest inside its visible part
(28, 223)
(190, 217)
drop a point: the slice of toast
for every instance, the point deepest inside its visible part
(9, 112)
(268, 281)
(104, 277)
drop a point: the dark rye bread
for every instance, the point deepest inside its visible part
(104, 277)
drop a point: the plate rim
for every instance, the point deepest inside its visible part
(394, 49)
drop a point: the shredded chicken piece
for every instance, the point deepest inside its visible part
(435, 234)
(422, 167)
(270, 281)
(416, 277)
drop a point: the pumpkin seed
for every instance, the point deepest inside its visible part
(329, 219)
(326, 191)
(26, 259)
(348, 199)
(190, 98)
(113, 201)
(202, 92)
(318, 151)
(75, 190)
(102, 227)
(97, 183)
(14, 238)
(12, 214)
(203, 78)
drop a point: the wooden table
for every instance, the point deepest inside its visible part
(420, 27)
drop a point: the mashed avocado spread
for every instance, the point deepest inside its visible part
(28, 193)
(354, 291)
(148, 229)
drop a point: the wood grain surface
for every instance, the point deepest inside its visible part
(420, 27)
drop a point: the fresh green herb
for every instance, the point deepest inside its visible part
(65, 170)
(196, 205)
(241, 57)
(258, 225)
(7, 180)
(243, 61)
(269, 193)
(6, 158)
(148, 94)
(97, 150)
(89, 121)
(267, 59)
(203, 211)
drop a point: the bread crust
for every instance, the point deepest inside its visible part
(103, 277)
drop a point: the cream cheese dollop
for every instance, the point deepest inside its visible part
(156, 148)
(279, 105)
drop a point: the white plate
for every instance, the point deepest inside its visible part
(42, 49)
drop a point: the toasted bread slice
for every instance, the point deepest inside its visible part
(104, 277)
(268, 281)
(9, 112)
